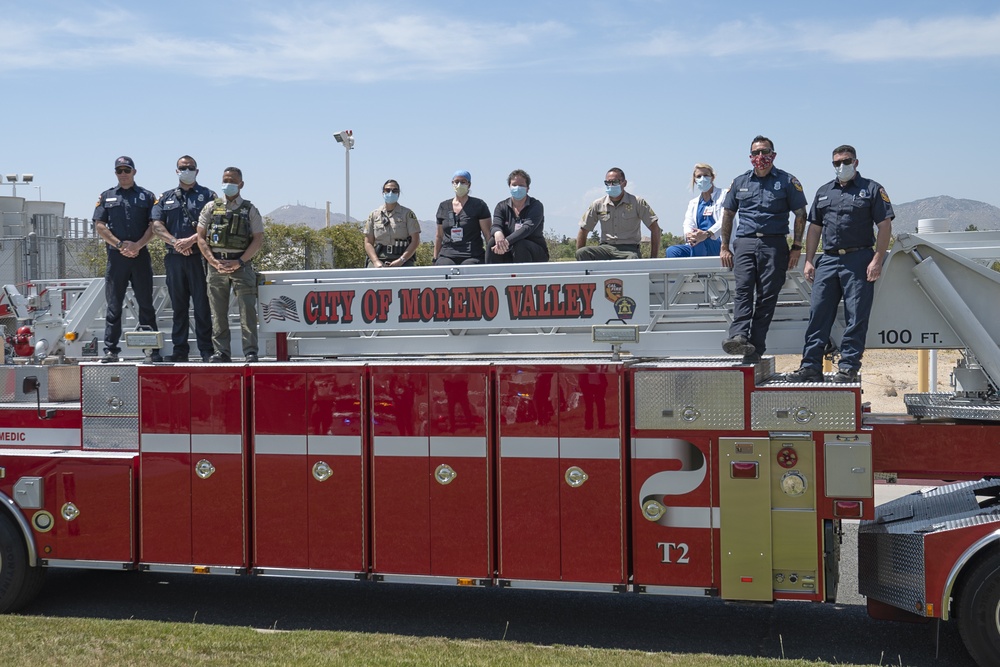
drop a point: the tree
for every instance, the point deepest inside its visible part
(348, 244)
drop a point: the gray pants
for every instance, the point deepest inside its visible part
(607, 251)
(243, 282)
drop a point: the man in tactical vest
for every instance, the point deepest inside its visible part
(230, 232)
(175, 220)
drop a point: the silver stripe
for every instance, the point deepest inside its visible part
(676, 591)
(458, 447)
(165, 443)
(205, 443)
(305, 574)
(690, 517)
(590, 448)
(529, 448)
(423, 579)
(86, 564)
(661, 448)
(334, 445)
(562, 586)
(41, 437)
(291, 445)
(400, 445)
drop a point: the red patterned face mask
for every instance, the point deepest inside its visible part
(762, 161)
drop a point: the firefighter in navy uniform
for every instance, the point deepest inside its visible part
(760, 256)
(845, 212)
(175, 220)
(121, 218)
(392, 232)
(230, 232)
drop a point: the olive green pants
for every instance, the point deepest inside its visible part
(243, 282)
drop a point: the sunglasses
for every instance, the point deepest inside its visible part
(761, 151)
(187, 168)
(395, 190)
(123, 170)
(844, 162)
(614, 182)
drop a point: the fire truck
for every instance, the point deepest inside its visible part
(562, 426)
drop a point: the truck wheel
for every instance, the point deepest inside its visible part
(979, 612)
(19, 583)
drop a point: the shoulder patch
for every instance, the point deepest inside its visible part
(795, 182)
(413, 215)
(885, 197)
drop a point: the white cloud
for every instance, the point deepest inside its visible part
(302, 43)
(882, 40)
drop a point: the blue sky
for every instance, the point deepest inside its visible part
(564, 90)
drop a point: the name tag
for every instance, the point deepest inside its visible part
(111, 199)
(744, 189)
(457, 234)
(822, 198)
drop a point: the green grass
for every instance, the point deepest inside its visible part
(35, 640)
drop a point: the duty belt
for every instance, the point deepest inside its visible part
(758, 235)
(841, 251)
(227, 255)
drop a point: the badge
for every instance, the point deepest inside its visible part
(201, 197)
(142, 196)
(614, 288)
(628, 207)
(777, 185)
(625, 307)
(885, 197)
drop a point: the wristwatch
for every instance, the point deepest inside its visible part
(796, 246)
(242, 263)
(119, 245)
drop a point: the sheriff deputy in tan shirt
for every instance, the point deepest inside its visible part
(619, 213)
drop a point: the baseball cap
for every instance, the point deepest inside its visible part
(124, 161)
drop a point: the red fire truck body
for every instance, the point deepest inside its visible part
(507, 461)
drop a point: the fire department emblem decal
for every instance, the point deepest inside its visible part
(282, 308)
(625, 307)
(614, 288)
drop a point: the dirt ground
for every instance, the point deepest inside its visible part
(886, 375)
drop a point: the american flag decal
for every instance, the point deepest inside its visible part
(282, 308)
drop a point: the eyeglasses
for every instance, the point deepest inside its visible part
(761, 151)
(844, 162)
(613, 182)
(186, 168)
(460, 183)
(394, 190)
(123, 170)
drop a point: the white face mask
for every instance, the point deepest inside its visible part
(703, 183)
(845, 172)
(187, 177)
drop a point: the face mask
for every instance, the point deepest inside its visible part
(230, 189)
(461, 189)
(187, 177)
(518, 192)
(613, 191)
(762, 161)
(845, 172)
(390, 197)
(703, 183)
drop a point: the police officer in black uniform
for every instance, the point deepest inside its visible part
(845, 212)
(121, 218)
(175, 220)
(760, 256)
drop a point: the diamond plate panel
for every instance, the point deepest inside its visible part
(111, 390)
(946, 405)
(803, 411)
(12, 378)
(689, 400)
(111, 433)
(891, 569)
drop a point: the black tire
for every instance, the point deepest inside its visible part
(19, 583)
(979, 612)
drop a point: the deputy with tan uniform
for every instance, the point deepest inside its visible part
(392, 232)
(230, 232)
(619, 213)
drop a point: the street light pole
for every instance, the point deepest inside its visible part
(346, 137)
(12, 179)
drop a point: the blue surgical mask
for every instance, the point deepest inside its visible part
(613, 191)
(187, 177)
(845, 172)
(518, 192)
(230, 189)
(703, 183)
(390, 197)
